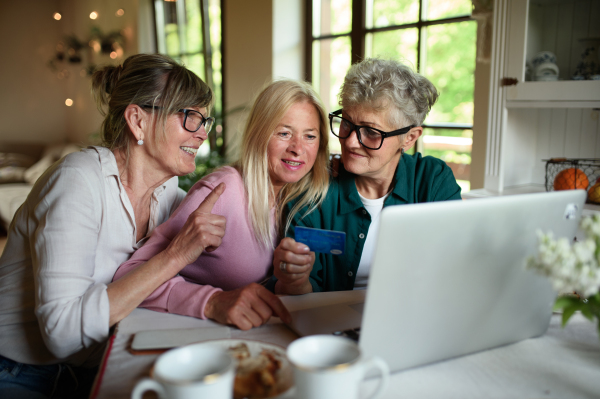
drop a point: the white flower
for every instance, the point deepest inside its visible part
(571, 267)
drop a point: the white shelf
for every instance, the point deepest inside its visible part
(560, 94)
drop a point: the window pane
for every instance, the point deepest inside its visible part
(193, 27)
(448, 60)
(331, 17)
(172, 39)
(214, 14)
(182, 27)
(331, 60)
(382, 13)
(195, 63)
(398, 44)
(453, 146)
(437, 9)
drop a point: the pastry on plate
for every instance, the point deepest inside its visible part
(258, 376)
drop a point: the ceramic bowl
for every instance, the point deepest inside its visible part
(546, 78)
(546, 70)
(543, 57)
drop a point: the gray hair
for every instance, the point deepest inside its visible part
(381, 84)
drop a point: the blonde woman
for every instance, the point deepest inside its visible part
(384, 104)
(87, 214)
(284, 157)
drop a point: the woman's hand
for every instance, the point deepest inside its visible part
(246, 307)
(203, 231)
(292, 264)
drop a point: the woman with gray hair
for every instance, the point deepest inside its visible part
(384, 104)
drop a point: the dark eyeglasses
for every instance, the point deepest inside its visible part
(368, 137)
(192, 120)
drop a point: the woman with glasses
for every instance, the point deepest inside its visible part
(87, 214)
(384, 104)
(285, 135)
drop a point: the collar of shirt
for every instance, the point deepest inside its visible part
(347, 185)
(109, 168)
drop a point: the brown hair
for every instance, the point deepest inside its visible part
(144, 79)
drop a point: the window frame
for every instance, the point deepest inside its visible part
(358, 33)
(205, 51)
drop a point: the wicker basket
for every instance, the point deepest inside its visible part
(574, 173)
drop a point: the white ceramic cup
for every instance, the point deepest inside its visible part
(546, 71)
(543, 57)
(332, 367)
(194, 371)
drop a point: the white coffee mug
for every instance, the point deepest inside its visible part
(332, 367)
(194, 371)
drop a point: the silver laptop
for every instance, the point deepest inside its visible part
(448, 278)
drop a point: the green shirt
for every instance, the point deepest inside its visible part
(417, 179)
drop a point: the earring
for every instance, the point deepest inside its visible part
(401, 150)
(140, 142)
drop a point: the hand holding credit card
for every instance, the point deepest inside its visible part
(325, 241)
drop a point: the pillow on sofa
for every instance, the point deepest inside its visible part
(13, 166)
(12, 197)
(12, 174)
(51, 155)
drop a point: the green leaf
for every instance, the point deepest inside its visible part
(587, 312)
(565, 301)
(568, 312)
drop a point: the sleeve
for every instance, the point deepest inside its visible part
(176, 295)
(445, 187)
(71, 307)
(436, 181)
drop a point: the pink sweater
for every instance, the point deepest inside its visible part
(239, 261)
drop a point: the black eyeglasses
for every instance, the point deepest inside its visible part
(192, 120)
(368, 137)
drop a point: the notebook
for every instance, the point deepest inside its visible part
(448, 278)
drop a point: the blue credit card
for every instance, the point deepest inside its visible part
(325, 241)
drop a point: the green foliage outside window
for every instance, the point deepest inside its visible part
(183, 41)
(444, 53)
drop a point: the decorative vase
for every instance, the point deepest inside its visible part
(589, 65)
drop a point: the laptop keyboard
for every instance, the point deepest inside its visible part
(353, 333)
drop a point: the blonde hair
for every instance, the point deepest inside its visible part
(144, 79)
(268, 110)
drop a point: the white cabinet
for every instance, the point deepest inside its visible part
(536, 120)
(562, 27)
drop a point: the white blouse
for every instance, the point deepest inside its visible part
(64, 245)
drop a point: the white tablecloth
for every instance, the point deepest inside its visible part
(564, 363)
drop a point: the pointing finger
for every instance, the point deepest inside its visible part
(209, 202)
(275, 303)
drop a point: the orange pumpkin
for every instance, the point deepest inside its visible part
(594, 193)
(571, 179)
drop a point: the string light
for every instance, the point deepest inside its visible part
(93, 15)
(120, 12)
(57, 16)
(68, 102)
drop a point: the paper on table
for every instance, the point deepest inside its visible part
(167, 339)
